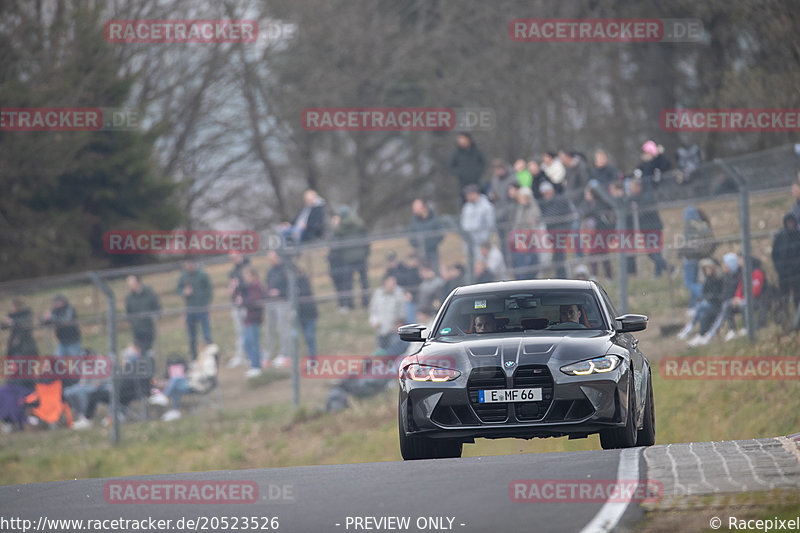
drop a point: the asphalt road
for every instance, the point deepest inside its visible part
(530, 492)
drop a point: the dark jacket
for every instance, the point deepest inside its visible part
(467, 165)
(253, 302)
(351, 227)
(202, 291)
(237, 272)
(306, 306)
(649, 219)
(277, 279)
(537, 181)
(144, 302)
(597, 214)
(652, 169)
(429, 243)
(730, 282)
(20, 340)
(315, 223)
(560, 209)
(65, 320)
(712, 291)
(786, 254)
(605, 175)
(577, 177)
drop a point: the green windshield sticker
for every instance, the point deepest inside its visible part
(480, 304)
(444, 331)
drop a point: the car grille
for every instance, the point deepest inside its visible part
(487, 378)
(533, 376)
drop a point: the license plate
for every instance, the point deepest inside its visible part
(509, 395)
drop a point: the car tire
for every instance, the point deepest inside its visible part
(647, 435)
(414, 448)
(624, 437)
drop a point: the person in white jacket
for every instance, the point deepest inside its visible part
(477, 217)
(388, 305)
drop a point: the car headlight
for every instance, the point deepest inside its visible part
(417, 372)
(598, 365)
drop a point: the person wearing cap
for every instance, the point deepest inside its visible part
(467, 162)
(708, 308)
(581, 272)
(64, 318)
(654, 163)
(477, 217)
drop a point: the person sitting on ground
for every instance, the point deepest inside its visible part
(20, 343)
(183, 379)
(485, 323)
(707, 309)
(135, 384)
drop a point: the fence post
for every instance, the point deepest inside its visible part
(294, 321)
(112, 352)
(747, 268)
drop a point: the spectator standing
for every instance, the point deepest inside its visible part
(654, 164)
(252, 300)
(494, 262)
(424, 224)
(554, 170)
(502, 178)
(558, 214)
(576, 173)
(524, 176)
(603, 171)
(596, 215)
(20, 322)
(142, 307)
(649, 220)
(64, 318)
(307, 313)
(278, 310)
(388, 305)
(347, 258)
(467, 162)
(195, 286)
(429, 293)
(236, 288)
(697, 235)
(453, 276)
(477, 218)
(786, 258)
(527, 219)
(537, 177)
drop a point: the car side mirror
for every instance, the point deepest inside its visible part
(411, 332)
(631, 322)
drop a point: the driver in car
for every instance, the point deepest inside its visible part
(570, 313)
(485, 324)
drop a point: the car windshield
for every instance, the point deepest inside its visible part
(519, 312)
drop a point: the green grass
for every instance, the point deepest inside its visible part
(261, 428)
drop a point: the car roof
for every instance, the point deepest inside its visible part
(525, 285)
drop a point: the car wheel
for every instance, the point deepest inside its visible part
(624, 437)
(413, 448)
(647, 435)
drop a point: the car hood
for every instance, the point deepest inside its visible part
(556, 347)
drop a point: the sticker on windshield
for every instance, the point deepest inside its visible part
(480, 304)
(445, 331)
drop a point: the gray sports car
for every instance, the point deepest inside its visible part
(539, 358)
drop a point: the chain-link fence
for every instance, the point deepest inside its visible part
(283, 314)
